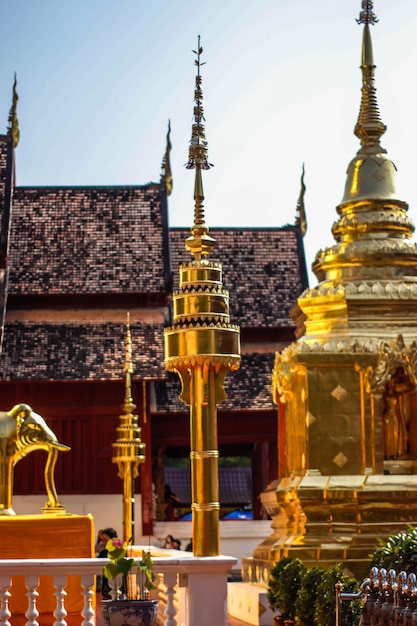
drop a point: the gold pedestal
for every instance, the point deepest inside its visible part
(47, 537)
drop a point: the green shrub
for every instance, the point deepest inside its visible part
(306, 599)
(273, 582)
(399, 552)
(325, 610)
(285, 584)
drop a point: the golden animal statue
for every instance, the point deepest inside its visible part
(23, 431)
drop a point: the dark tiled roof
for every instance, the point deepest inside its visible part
(89, 240)
(5, 151)
(79, 352)
(235, 484)
(247, 388)
(263, 270)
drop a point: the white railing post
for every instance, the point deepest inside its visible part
(5, 584)
(170, 581)
(60, 613)
(32, 613)
(87, 583)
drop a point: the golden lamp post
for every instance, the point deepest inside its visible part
(128, 450)
(202, 347)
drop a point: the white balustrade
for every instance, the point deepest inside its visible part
(193, 590)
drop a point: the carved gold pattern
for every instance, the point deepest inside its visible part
(340, 459)
(339, 392)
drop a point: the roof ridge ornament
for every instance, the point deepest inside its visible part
(13, 130)
(199, 243)
(300, 212)
(166, 174)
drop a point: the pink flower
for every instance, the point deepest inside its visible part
(117, 543)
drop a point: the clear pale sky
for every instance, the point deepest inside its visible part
(99, 79)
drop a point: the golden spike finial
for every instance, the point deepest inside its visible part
(166, 175)
(13, 130)
(200, 243)
(300, 214)
(367, 16)
(128, 405)
(369, 127)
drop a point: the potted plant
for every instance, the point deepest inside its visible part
(133, 580)
(398, 552)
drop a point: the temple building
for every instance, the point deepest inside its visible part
(74, 262)
(346, 389)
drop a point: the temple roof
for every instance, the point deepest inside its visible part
(88, 240)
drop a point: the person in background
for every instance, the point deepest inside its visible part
(189, 546)
(106, 534)
(99, 543)
(97, 548)
(171, 502)
(176, 544)
(168, 542)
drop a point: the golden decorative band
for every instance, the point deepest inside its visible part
(204, 454)
(205, 506)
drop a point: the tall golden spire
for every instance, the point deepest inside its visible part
(373, 230)
(300, 213)
(128, 450)
(369, 127)
(200, 243)
(166, 175)
(13, 130)
(202, 347)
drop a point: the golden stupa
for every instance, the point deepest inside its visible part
(346, 389)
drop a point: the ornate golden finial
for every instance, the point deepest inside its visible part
(166, 175)
(369, 127)
(128, 449)
(300, 214)
(13, 130)
(128, 405)
(367, 16)
(200, 243)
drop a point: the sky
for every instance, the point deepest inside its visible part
(99, 79)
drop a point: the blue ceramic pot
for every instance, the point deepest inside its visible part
(129, 612)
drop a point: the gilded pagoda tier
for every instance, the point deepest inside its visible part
(202, 329)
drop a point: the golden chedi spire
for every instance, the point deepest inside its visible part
(202, 347)
(373, 232)
(200, 243)
(166, 174)
(13, 130)
(128, 450)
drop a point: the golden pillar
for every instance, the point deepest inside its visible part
(128, 450)
(202, 347)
